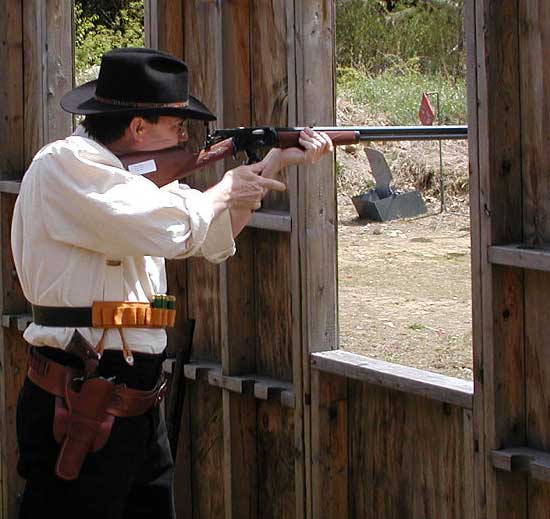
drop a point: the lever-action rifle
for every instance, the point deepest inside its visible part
(165, 166)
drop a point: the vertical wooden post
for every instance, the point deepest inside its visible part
(495, 149)
(316, 211)
(36, 54)
(534, 39)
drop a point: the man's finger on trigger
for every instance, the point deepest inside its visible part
(272, 184)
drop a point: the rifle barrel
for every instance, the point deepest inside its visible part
(402, 133)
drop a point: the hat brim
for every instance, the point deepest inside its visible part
(81, 100)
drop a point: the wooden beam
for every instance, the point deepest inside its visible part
(499, 344)
(394, 376)
(271, 220)
(534, 462)
(520, 255)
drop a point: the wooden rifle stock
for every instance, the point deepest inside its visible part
(175, 163)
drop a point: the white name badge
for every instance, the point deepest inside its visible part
(141, 168)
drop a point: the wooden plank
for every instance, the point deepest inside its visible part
(183, 480)
(329, 445)
(207, 452)
(206, 282)
(394, 376)
(150, 23)
(34, 13)
(10, 186)
(238, 351)
(531, 257)
(396, 462)
(271, 221)
(48, 66)
(272, 252)
(471, 508)
(316, 202)
(16, 321)
(11, 88)
(12, 163)
(276, 454)
(13, 359)
(58, 53)
(168, 33)
(523, 459)
(477, 426)
(501, 345)
(534, 35)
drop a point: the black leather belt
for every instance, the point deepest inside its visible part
(63, 316)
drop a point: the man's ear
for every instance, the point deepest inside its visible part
(136, 129)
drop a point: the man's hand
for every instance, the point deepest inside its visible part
(314, 146)
(242, 188)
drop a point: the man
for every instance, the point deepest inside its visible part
(85, 232)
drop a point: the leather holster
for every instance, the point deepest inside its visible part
(81, 423)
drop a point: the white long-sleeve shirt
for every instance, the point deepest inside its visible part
(77, 209)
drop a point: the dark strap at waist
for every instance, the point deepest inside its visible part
(62, 316)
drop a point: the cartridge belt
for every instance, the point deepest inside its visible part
(105, 314)
(52, 377)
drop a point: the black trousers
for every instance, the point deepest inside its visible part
(131, 477)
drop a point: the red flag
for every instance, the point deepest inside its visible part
(425, 112)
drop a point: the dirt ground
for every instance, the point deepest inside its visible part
(404, 286)
(404, 290)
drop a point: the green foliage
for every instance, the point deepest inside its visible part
(397, 91)
(372, 35)
(93, 38)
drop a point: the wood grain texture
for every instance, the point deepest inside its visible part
(521, 256)
(12, 163)
(201, 30)
(11, 88)
(534, 36)
(314, 209)
(13, 361)
(329, 446)
(207, 452)
(168, 33)
(499, 344)
(276, 454)
(406, 456)
(48, 66)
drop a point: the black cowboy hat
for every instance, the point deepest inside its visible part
(135, 80)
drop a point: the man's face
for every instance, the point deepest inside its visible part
(167, 132)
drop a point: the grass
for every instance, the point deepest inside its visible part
(396, 93)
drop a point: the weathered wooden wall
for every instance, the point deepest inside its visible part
(390, 441)
(509, 127)
(36, 57)
(264, 433)
(247, 432)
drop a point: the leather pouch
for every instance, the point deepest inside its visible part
(81, 424)
(124, 314)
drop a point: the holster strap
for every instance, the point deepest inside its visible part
(52, 377)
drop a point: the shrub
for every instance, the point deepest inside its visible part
(92, 38)
(371, 37)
